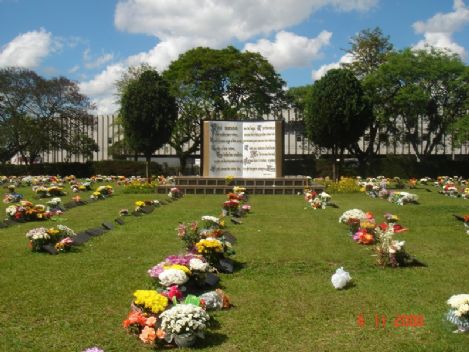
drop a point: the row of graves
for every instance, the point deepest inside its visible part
(185, 286)
(385, 237)
(176, 311)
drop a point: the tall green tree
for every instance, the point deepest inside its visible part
(369, 49)
(426, 92)
(219, 85)
(42, 114)
(7, 144)
(148, 112)
(297, 97)
(336, 112)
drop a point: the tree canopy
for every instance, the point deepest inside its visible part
(219, 85)
(427, 92)
(41, 114)
(336, 112)
(369, 49)
(148, 112)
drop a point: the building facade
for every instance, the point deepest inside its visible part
(106, 132)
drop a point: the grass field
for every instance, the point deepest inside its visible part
(282, 295)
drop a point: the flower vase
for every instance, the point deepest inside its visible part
(185, 340)
(462, 329)
(462, 323)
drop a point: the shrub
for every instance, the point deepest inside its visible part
(344, 185)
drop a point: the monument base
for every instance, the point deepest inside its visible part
(219, 185)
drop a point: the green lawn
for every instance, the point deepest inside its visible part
(282, 294)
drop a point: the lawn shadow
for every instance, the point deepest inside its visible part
(349, 286)
(238, 266)
(212, 339)
(414, 262)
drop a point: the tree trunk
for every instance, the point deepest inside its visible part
(182, 163)
(147, 167)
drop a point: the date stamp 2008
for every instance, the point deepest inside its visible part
(401, 320)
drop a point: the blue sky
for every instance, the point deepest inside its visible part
(94, 41)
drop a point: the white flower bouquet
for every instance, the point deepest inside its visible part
(170, 277)
(196, 264)
(401, 198)
(211, 221)
(351, 216)
(185, 320)
(458, 313)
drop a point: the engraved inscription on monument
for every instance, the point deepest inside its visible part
(241, 149)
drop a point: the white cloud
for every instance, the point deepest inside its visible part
(438, 30)
(320, 72)
(185, 24)
(164, 53)
(74, 69)
(27, 50)
(102, 88)
(289, 49)
(96, 62)
(220, 20)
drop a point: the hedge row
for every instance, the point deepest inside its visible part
(391, 165)
(405, 166)
(110, 167)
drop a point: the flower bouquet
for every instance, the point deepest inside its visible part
(391, 222)
(412, 183)
(55, 191)
(389, 251)
(372, 189)
(178, 275)
(309, 195)
(240, 193)
(54, 206)
(231, 207)
(149, 302)
(214, 250)
(210, 222)
(27, 211)
(40, 191)
(229, 180)
(189, 233)
(352, 218)
(465, 193)
(214, 300)
(401, 198)
(141, 204)
(174, 275)
(143, 317)
(12, 198)
(81, 187)
(451, 190)
(458, 313)
(102, 192)
(144, 326)
(425, 180)
(183, 324)
(60, 236)
(320, 201)
(175, 193)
